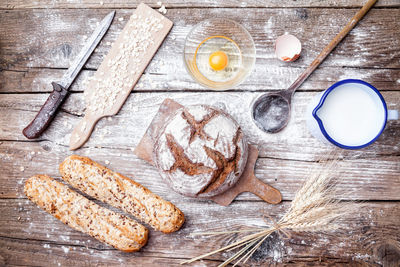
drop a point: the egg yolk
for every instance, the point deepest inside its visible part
(218, 60)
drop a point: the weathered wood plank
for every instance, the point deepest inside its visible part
(10, 4)
(126, 129)
(361, 239)
(37, 45)
(373, 43)
(357, 179)
(17, 253)
(13, 252)
(32, 253)
(39, 79)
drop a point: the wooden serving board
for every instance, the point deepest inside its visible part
(246, 183)
(120, 70)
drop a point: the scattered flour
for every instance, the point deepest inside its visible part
(272, 248)
(64, 237)
(65, 249)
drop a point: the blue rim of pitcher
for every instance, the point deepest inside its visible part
(321, 102)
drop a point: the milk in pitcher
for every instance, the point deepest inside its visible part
(352, 114)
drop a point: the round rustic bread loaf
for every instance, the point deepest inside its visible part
(201, 151)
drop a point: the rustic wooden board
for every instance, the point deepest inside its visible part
(358, 179)
(37, 80)
(373, 43)
(362, 238)
(10, 4)
(294, 142)
(38, 39)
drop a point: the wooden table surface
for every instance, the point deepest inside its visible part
(38, 40)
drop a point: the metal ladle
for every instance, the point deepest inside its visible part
(271, 111)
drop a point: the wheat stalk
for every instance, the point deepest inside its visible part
(314, 208)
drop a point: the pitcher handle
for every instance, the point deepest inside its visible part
(392, 115)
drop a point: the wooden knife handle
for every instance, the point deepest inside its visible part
(47, 113)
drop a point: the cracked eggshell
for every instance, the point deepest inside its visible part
(287, 47)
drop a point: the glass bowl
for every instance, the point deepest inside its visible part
(216, 35)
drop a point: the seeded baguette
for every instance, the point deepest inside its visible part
(121, 192)
(84, 215)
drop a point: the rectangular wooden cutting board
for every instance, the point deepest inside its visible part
(120, 70)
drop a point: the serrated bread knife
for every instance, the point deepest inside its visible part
(60, 90)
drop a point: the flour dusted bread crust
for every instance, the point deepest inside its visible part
(121, 192)
(201, 152)
(84, 215)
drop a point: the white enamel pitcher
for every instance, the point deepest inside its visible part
(350, 114)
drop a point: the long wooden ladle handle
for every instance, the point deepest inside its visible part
(339, 37)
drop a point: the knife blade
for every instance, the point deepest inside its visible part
(60, 90)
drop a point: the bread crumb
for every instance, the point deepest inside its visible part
(19, 218)
(101, 3)
(32, 152)
(22, 168)
(109, 118)
(121, 19)
(107, 162)
(159, 3)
